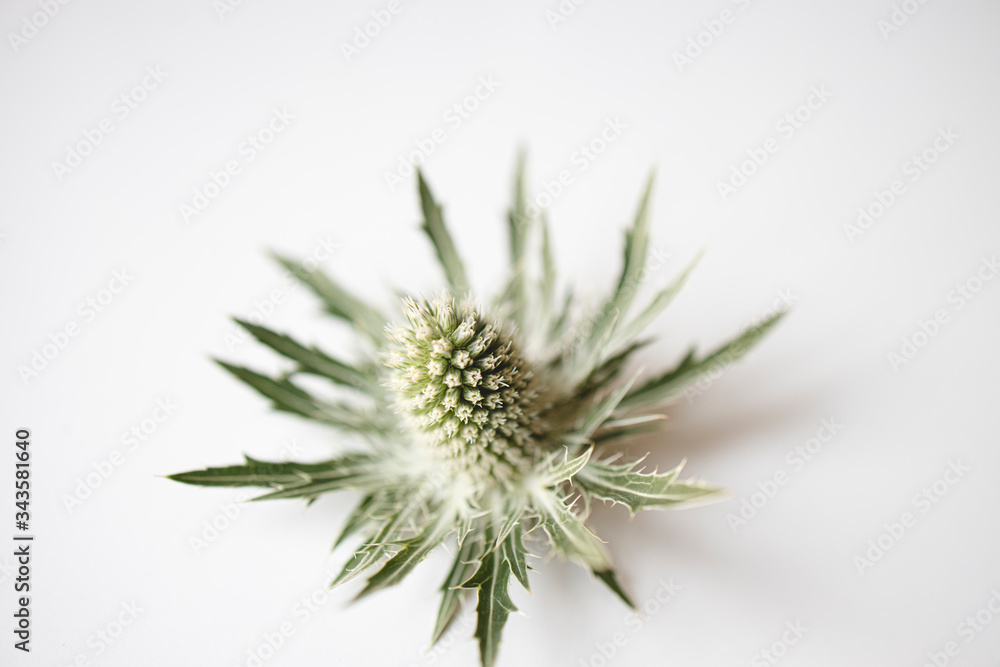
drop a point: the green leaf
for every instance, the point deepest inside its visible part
(491, 581)
(358, 519)
(275, 474)
(547, 290)
(435, 228)
(636, 246)
(627, 484)
(519, 223)
(287, 397)
(570, 537)
(514, 552)
(339, 302)
(659, 303)
(553, 472)
(599, 414)
(610, 578)
(391, 531)
(662, 387)
(411, 553)
(466, 563)
(312, 360)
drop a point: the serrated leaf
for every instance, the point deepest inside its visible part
(435, 228)
(628, 485)
(569, 535)
(312, 360)
(274, 474)
(287, 397)
(513, 510)
(465, 565)
(514, 552)
(391, 530)
(410, 554)
(339, 302)
(554, 472)
(662, 387)
(492, 583)
(611, 580)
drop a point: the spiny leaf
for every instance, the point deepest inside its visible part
(662, 387)
(598, 415)
(491, 581)
(358, 519)
(412, 551)
(636, 246)
(466, 563)
(312, 360)
(513, 510)
(628, 485)
(435, 228)
(287, 397)
(608, 370)
(391, 531)
(554, 472)
(569, 535)
(514, 552)
(519, 226)
(547, 289)
(273, 474)
(610, 578)
(338, 301)
(653, 310)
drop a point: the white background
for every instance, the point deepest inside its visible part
(322, 179)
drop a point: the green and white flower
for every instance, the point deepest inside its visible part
(482, 422)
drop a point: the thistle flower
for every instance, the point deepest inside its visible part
(483, 423)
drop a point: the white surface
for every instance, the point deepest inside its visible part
(324, 175)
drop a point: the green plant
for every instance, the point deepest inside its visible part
(482, 423)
